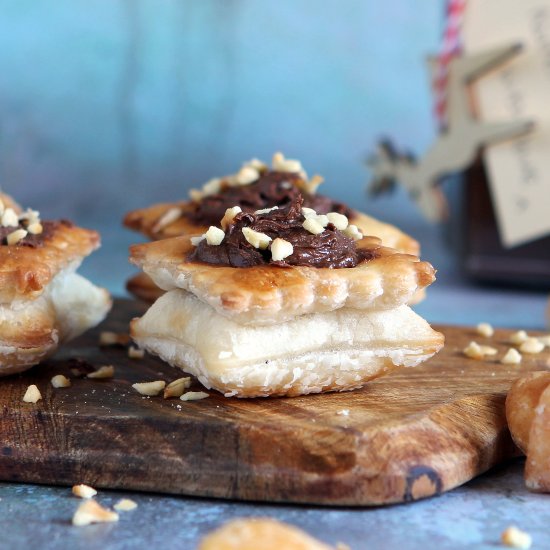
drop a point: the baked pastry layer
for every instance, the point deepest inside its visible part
(31, 330)
(327, 351)
(269, 295)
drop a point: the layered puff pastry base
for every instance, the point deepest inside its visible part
(271, 331)
(43, 302)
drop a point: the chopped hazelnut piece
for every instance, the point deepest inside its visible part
(545, 340)
(10, 218)
(149, 388)
(108, 338)
(92, 512)
(488, 350)
(195, 195)
(229, 216)
(485, 329)
(212, 186)
(353, 232)
(83, 491)
(282, 164)
(266, 210)
(246, 175)
(168, 218)
(35, 228)
(177, 387)
(516, 538)
(531, 345)
(16, 236)
(256, 239)
(60, 381)
(135, 353)
(511, 357)
(312, 185)
(194, 396)
(256, 163)
(106, 371)
(313, 226)
(518, 337)
(32, 395)
(473, 351)
(214, 236)
(125, 505)
(281, 249)
(338, 220)
(196, 240)
(2, 207)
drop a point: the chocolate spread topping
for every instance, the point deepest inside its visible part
(33, 241)
(271, 189)
(331, 248)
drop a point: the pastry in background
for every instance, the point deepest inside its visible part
(43, 302)
(254, 187)
(284, 301)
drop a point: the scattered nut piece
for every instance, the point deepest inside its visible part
(35, 228)
(91, 512)
(246, 175)
(518, 337)
(338, 220)
(109, 338)
(531, 345)
(212, 186)
(15, 236)
(473, 351)
(256, 163)
(60, 381)
(2, 207)
(266, 210)
(308, 212)
(195, 195)
(313, 226)
(282, 164)
(256, 239)
(149, 388)
(10, 218)
(312, 185)
(83, 491)
(32, 395)
(214, 236)
(488, 350)
(105, 371)
(511, 357)
(194, 396)
(177, 387)
(168, 218)
(545, 340)
(281, 249)
(485, 329)
(353, 232)
(196, 240)
(125, 505)
(135, 353)
(229, 215)
(514, 537)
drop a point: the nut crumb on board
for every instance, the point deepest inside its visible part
(485, 329)
(177, 387)
(83, 491)
(106, 371)
(110, 338)
(194, 396)
(60, 381)
(518, 337)
(511, 357)
(125, 505)
(532, 346)
(516, 538)
(149, 388)
(32, 395)
(91, 512)
(473, 351)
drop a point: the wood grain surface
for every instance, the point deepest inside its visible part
(409, 435)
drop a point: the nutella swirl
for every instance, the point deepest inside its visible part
(329, 249)
(272, 188)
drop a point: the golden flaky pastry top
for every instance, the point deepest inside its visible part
(267, 294)
(25, 271)
(151, 222)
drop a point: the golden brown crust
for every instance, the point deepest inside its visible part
(146, 221)
(26, 271)
(143, 287)
(259, 534)
(268, 294)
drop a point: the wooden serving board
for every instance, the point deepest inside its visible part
(412, 434)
